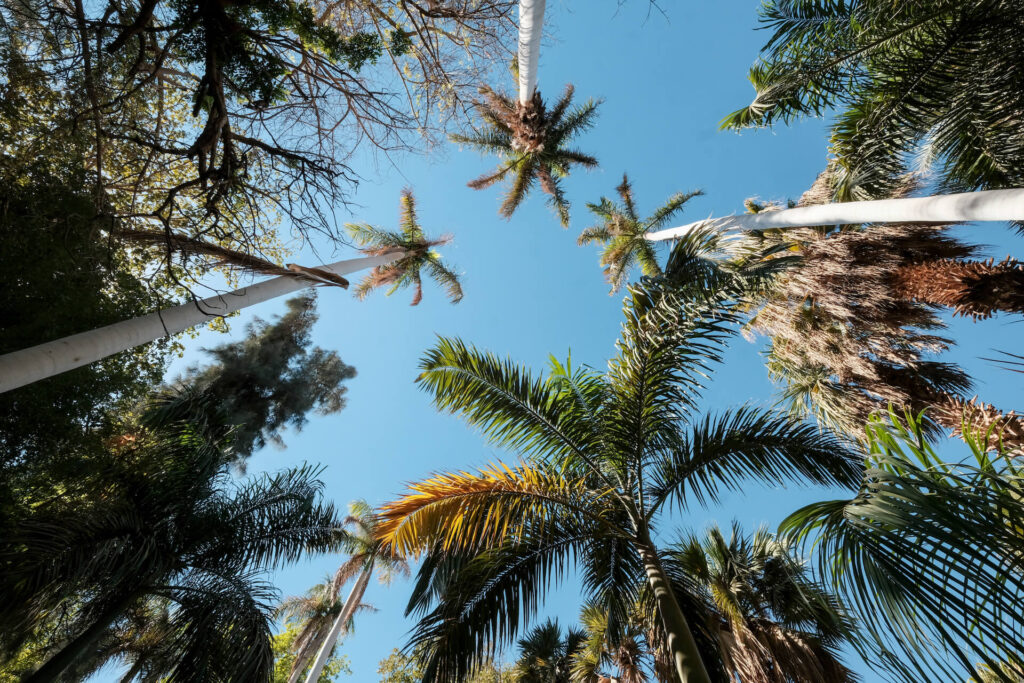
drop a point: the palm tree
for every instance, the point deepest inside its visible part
(366, 553)
(533, 147)
(627, 651)
(416, 253)
(603, 455)
(623, 233)
(531, 22)
(938, 77)
(545, 655)
(772, 622)
(158, 517)
(927, 555)
(314, 613)
(19, 368)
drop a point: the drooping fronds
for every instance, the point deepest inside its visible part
(417, 251)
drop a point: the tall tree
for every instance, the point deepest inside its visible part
(156, 516)
(603, 455)
(273, 378)
(416, 251)
(927, 555)
(937, 75)
(623, 234)
(306, 619)
(367, 552)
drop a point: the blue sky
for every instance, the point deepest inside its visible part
(530, 291)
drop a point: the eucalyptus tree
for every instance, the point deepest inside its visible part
(927, 555)
(157, 516)
(624, 234)
(366, 553)
(603, 456)
(937, 79)
(415, 251)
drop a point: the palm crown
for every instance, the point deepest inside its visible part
(418, 255)
(623, 233)
(604, 454)
(534, 145)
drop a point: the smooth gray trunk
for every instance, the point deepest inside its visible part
(19, 368)
(988, 205)
(531, 22)
(340, 624)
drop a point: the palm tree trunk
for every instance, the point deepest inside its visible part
(531, 20)
(683, 648)
(301, 660)
(354, 599)
(971, 288)
(19, 368)
(80, 645)
(989, 205)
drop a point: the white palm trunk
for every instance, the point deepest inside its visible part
(531, 20)
(989, 205)
(340, 624)
(19, 368)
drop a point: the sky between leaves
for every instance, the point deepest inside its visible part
(667, 79)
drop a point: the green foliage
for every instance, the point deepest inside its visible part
(272, 379)
(533, 144)
(155, 515)
(603, 454)
(545, 655)
(284, 657)
(399, 667)
(58, 277)
(927, 554)
(622, 233)
(936, 77)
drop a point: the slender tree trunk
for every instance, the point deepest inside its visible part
(301, 660)
(683, 648)
(531, 21)
(989, 205)
(45, 360)
(340, 624)
(81, 644)
(971, 288)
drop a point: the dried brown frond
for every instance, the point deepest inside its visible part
(992, 428)
(978, 289)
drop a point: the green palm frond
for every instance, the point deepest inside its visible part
(750, 443)
(417, 250)
(927, 554)
(623, 234)
(533, 144)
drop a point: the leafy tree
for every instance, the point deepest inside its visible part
(156, 516)
(927, 555)
(533, 148)
(419, 255)
(399, 667)
(623, 233)
(938, 76)
(76, 283)
(603, 454)
(284, 658)
(272, 379)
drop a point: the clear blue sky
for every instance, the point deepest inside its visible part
(530, 291)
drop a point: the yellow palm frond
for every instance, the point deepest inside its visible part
(471, 512)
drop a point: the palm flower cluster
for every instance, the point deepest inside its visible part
(533, 142)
